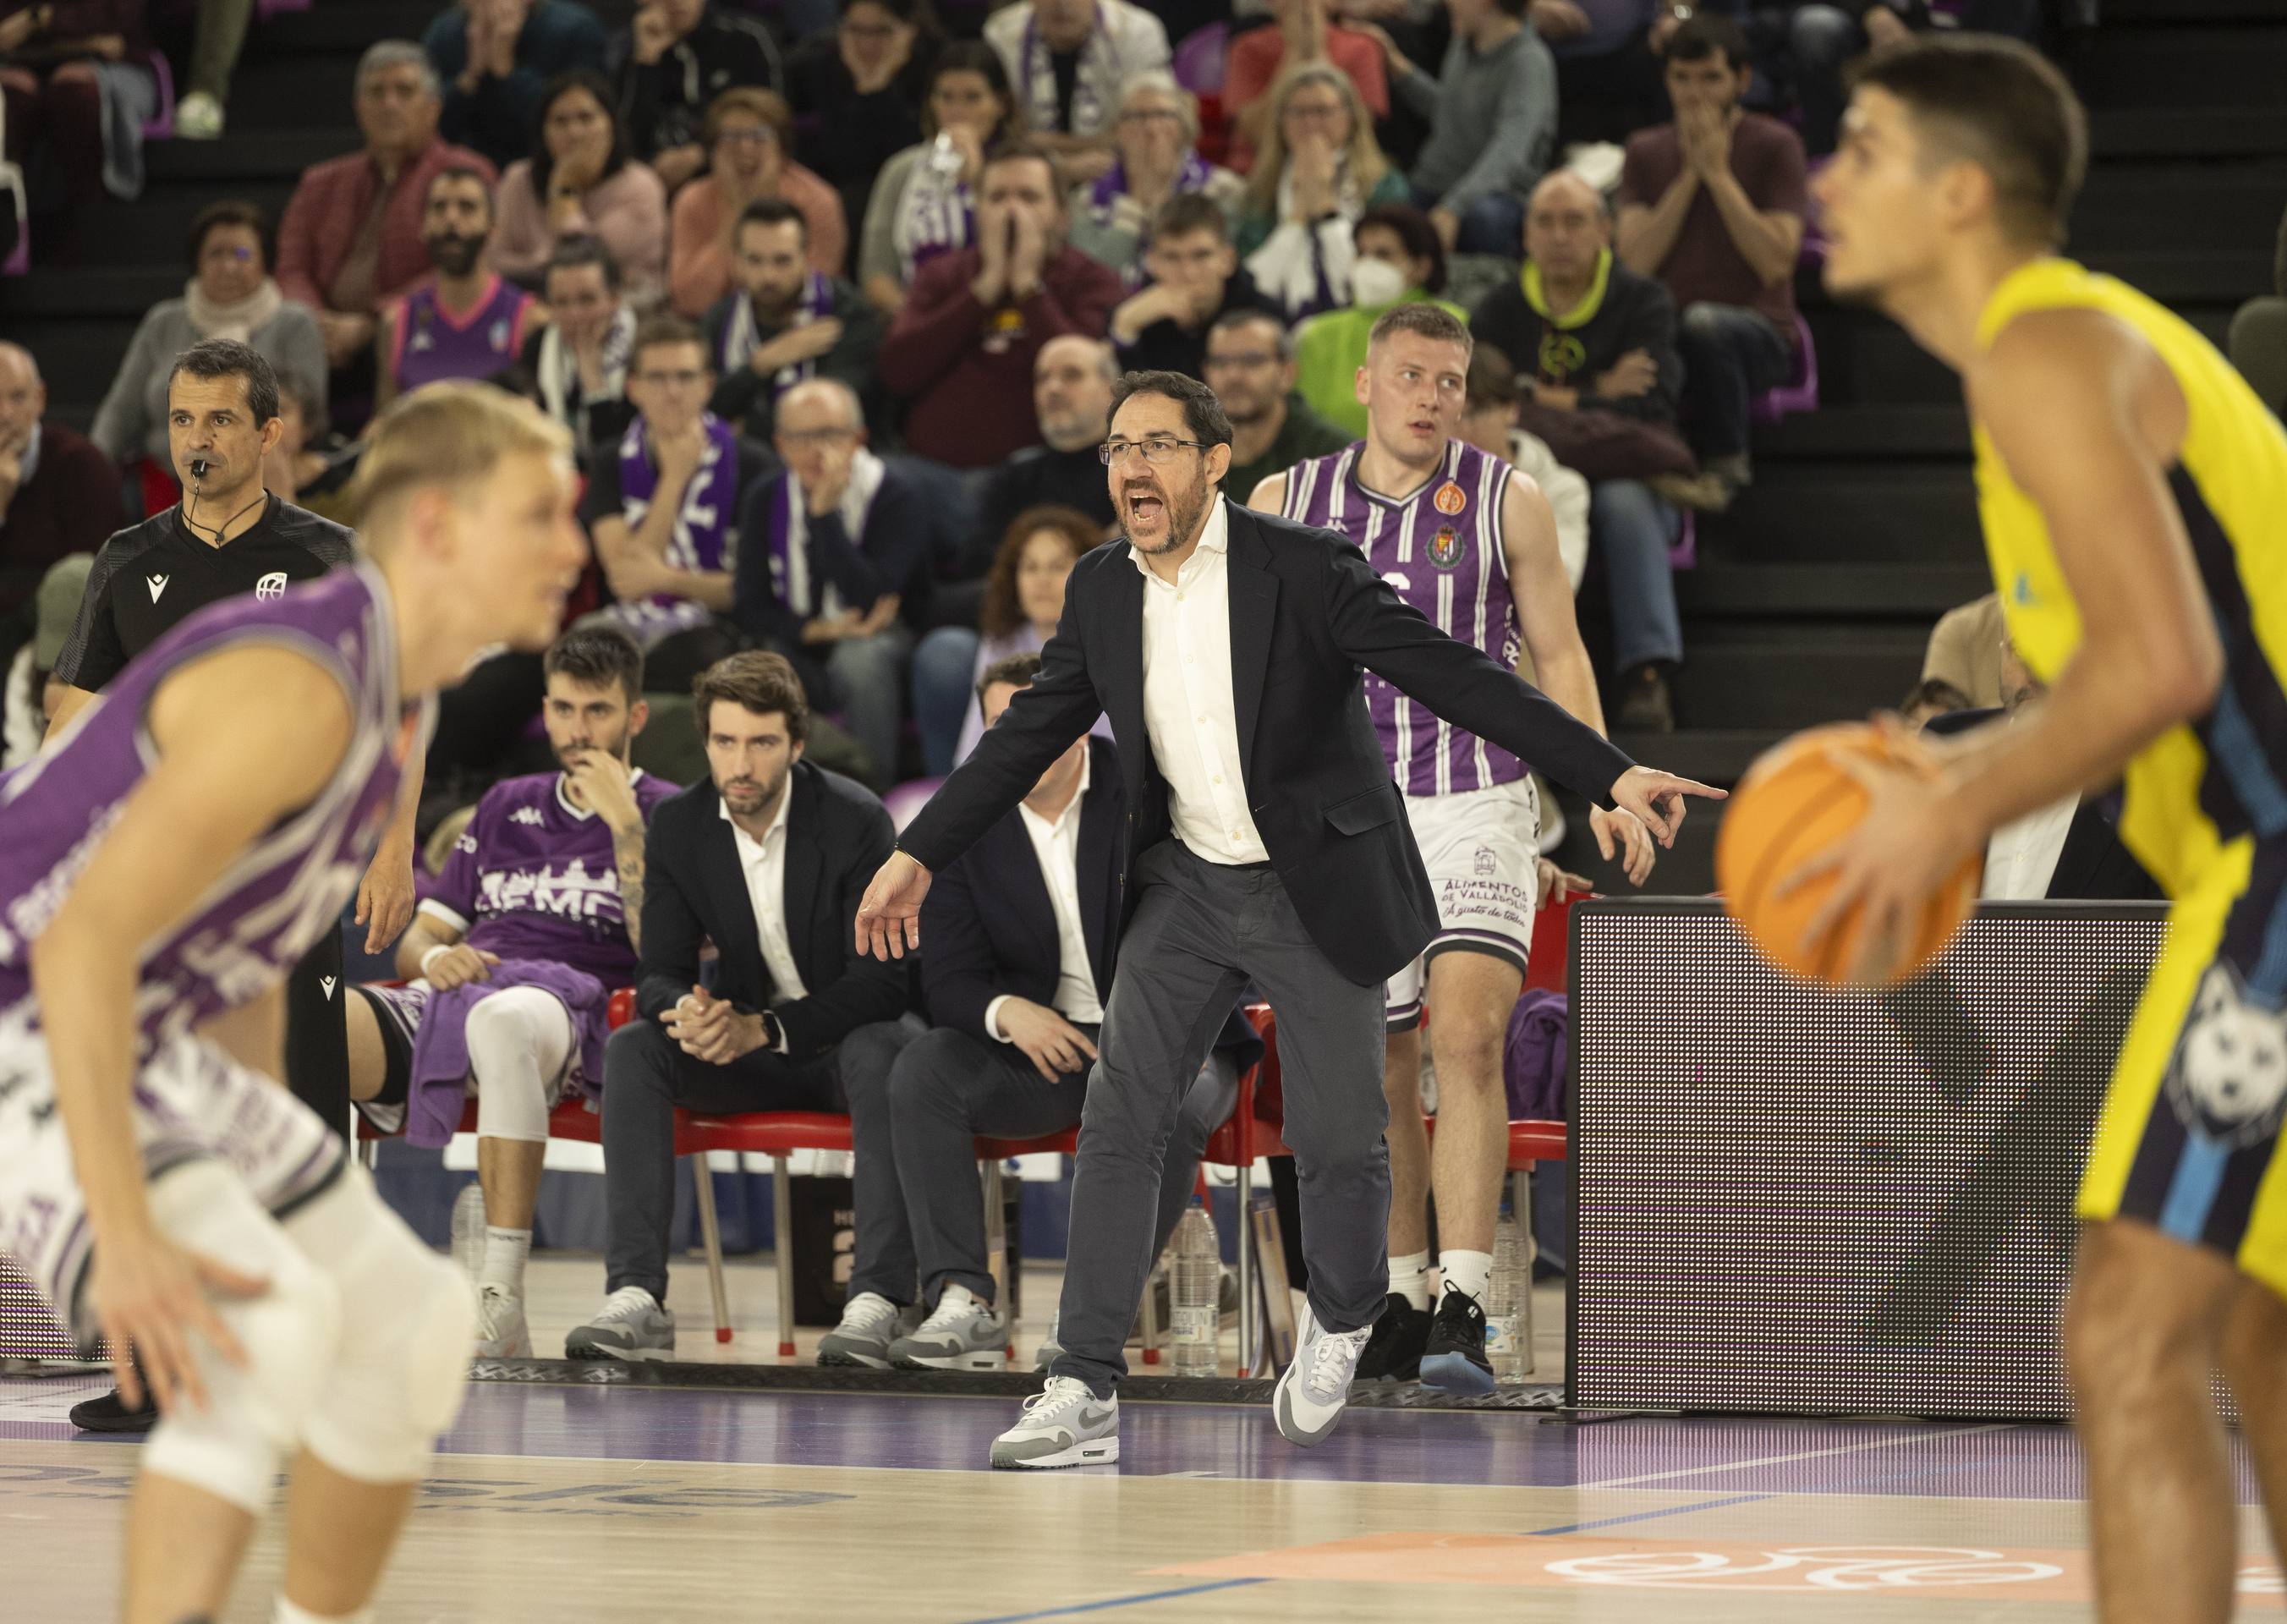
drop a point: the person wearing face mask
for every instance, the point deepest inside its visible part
(1400, 261)
(467, 322)
(669, 64)
(785, 321)
(962, 347)
(750, 134)
(1319, 171)
(230, 296)
(579, 181)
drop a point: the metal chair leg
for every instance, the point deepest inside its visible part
(783, 1245)
(1251, 1346)
(996, 1241)
(711, 1234)
(1521, 1197)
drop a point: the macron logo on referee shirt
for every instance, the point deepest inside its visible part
(157, 583)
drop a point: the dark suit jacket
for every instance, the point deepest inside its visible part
(990, 928)
(2093, 867)
(1309, 617)
(837, 835)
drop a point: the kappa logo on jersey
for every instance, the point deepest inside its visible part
(325, 984)
(1449, 499)
(1445, 548)
(524, 814)
(271, 585)
(157, 583)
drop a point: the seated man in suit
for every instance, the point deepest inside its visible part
(2068, 852)
(1022, 928)
(767, 861)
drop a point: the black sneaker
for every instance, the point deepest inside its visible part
(1393, 1353)
(1455, 1362)
(110, 1413)
(1644, 705)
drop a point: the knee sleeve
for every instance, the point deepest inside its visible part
(231, 1447)
(520, 1042)
(408, 1330)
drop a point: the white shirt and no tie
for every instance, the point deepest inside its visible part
(763, 863)
(1057, 845)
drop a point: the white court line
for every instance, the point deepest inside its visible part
(1808, 1454)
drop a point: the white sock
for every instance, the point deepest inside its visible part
(1409, 1278)
(505, 1250)
(1468, 1271)
(289, 1614)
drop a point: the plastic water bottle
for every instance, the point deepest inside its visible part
(1195, 1281)
(1504, 1310)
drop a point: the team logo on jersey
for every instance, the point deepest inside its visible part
(326, 983)
(1485, 863)
(271, 585)
(1445, 547)
(157, 583)
(526, 814)
(1449, 499)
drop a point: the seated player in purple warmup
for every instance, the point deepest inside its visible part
(516, 953)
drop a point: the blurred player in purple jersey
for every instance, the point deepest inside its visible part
(1471, 544)
(511, 961)
(198, 827)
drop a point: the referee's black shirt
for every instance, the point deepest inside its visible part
(150, 577)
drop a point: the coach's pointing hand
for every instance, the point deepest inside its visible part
(889, 915)
(1658, 798)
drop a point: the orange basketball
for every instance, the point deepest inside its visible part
(1794, 803)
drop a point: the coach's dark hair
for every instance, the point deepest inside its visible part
(232, 211)
(1414, 230)
(1203, 414)
(1018, 670)
(763, 683)
(1708, 34)
(2004, 106)
(1425, 320)
(576, 251)
(595, 657)
(221, 358)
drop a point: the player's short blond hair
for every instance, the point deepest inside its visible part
(448, 434)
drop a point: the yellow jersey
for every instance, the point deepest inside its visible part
(2206, 786)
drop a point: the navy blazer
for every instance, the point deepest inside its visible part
(695, 890)
(1308, 618)
(2094, 866)
(988, 927)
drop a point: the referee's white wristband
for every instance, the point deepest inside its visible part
(430, 957)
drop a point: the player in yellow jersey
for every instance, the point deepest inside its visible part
(2135, 498)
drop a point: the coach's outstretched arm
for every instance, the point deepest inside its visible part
(1040, 725)
(245, 738)
(1379, 630)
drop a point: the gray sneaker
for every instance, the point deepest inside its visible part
(1065, 1424)
(631, 1325)
(964, 1333)
(870, 1323)
(1310, 1396)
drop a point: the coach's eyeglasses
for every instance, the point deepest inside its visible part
(1157, 449)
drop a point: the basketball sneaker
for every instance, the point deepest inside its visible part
(1309, 1398)
(501, 1331)
(109, 1413)
(870, 1323)
(1064, 1424)
(1454, 1359)
(1393, 1353)
(964, 1333)
(631, 1325)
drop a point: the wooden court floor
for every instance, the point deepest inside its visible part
(557, 1501)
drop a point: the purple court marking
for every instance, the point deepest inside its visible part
(1119, 1601)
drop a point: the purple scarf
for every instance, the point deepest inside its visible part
(702, 530)
(1192, 176)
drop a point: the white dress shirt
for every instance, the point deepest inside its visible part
(1188, 707)
(2021, 858)
(1057, 845)
(765, 863)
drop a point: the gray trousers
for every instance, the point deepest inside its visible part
(647, 1075)
(1201, 932)
(917, 1101)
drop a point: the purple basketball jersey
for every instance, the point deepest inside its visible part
(287, 889)
(534, 878)
(1441, 549)
(434, 344)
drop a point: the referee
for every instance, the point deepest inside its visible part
(227, 537)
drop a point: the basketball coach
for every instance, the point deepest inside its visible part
(1265, 843)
